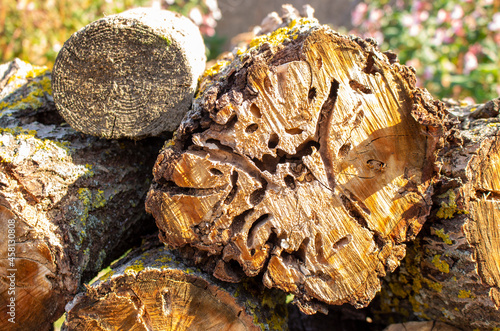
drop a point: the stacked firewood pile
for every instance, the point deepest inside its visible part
(303, 172)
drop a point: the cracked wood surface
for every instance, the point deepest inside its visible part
(129, 75)
(306, 160)
(452, 272)
(76, 201)
(152, 289)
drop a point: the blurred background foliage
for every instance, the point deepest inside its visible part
(35, 30)
(453, 44)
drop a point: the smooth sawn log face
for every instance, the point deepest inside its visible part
(75, 202)
(308, 159)
(129, 75)
(152, 289)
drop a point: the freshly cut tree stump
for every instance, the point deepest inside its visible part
(152, 289)
(129, 75)
(69, 203)
(452, 272)
(308, 159)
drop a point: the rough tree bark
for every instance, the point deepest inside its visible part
(152, 289)
(129, 75)
(308, 159)
(74, 201)
(452, 272)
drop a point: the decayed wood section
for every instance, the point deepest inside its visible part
(76, 202)
(152, 289)
(307, 158)
(129, 75)
(452, 272)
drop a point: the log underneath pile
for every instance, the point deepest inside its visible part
(74, 201)
(308, 159)
(452, 271)
(152, 289)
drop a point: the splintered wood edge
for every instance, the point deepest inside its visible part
(309, 160)
(129, 75)
(31, 266)
(483, 230)
(155, 290)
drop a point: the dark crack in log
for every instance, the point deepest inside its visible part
(334, 148)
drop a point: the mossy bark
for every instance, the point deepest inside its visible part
(452, 271)
(76, 201)
(307, 158)
(153, 289)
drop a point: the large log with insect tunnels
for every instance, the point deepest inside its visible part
(306, 158)
(452, 270)
(153, 289)
(129, 75)
(74, 202)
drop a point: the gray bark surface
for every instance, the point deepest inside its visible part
(77, 202)
(129, 75)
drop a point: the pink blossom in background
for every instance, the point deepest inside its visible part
(375, 15)
(458, 28)
(470, 62)
(207, 28)
(494, 25)
(418, 5)
(457, 13)
(446, 42)
(442, 36)
(358, 14)
(407, 20)
(415, 30)
(213, 7)
(196, 16)
(423, 16)
(442, 16)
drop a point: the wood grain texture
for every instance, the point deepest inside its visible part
(152, 289)
(307, 158)
(129, 75)
(76, 201)
(452, 274)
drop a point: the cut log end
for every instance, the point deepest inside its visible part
(129, 75)
(456, 260)
(308, 158)
(26, 275)
(154, 290)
